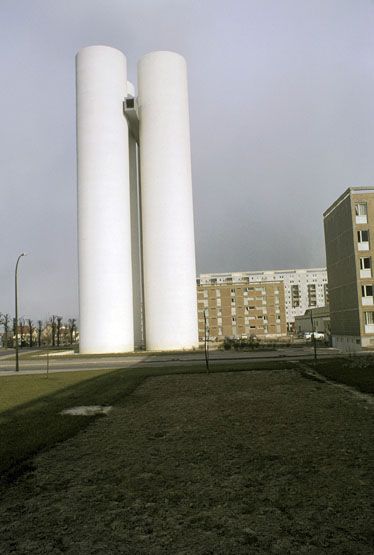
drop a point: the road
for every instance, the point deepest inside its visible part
(31, 365)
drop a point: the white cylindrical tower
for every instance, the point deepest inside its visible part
(104, 228)
(166, 203)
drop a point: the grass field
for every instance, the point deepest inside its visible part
(21, 389)
(357, 372)
(30, 407)
(259, 462)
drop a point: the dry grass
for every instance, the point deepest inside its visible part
(241, 462)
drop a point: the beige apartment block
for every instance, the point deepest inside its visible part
(304, 288)
(242, 310)
(349, 237)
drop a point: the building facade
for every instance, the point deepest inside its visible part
(349, 238)
(303, 288)
(321, 321)
(241, 309)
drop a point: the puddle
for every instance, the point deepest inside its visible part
(90, 410)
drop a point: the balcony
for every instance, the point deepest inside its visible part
(363, 246)
(369, 328)
(365, 273)
(362, 219)
(367, 301)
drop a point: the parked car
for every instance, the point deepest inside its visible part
(308, 335)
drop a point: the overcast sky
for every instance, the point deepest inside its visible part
(282, 122)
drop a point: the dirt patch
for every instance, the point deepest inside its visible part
(249, 462)
(87, 410)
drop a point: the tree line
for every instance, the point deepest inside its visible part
(53, 332)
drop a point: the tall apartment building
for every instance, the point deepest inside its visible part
(349, 237)
(241, 309)
(304, 288)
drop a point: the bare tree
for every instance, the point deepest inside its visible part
(59, 320)
(40, 330)
(31, 331)
(21, 329)
(15, 332)
(5, 321)
(72, 329)
(52, 321)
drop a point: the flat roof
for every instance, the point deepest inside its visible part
(343, 196)
(259, 272)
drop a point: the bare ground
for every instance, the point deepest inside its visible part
(244, 462)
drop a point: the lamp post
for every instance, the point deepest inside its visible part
(16, 306)
(206, 339)
(314, 337)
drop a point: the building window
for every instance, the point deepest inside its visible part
(365, 267)
(361, 211)
(295, 296)
(363, 239)
(369, 318)
(367, 294)
(367, 290)
(312, 298)
(369, 322)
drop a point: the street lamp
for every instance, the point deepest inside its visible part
(313, 335)
(16, 305)
(206, 339)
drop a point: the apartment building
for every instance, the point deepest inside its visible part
(303, 288)
(349, 238)
(241, 309)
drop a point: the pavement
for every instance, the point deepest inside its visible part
(38, 365)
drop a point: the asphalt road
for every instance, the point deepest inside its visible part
(76, 363)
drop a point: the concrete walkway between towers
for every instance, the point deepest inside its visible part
(240, 462)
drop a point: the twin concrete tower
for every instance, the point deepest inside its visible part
(137, 277)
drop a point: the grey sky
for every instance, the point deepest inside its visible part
(282, 121)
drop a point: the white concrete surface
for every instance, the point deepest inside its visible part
(167, 211)
(104, 229)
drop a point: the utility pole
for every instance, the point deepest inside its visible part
(314, 337)
(206, 339)
(16, 306)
